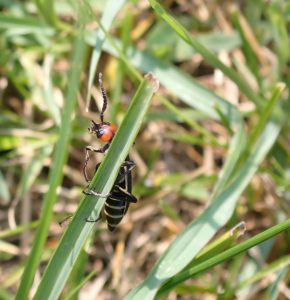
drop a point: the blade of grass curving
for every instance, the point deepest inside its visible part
(271, 268)
(110, 12)
(76, 289)
(173, 79)
(28, 176)
(78, 271)
(56, 173)
(273, 290)
(280, 34)
(208, 135)
(18, 230)
(201, 230)
(266, 114)
(236, 148)
(208, 55)
(117, 48)
(32, 171)
(49, 98)
(77, 232)
(223, 242)
(228, 254)
(27, 25)
(245, 33)
(239, 141)
(179, 83)
(126, 26)
(47, 11)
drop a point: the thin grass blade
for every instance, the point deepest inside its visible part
(56, 173)
(180, 84)
(237, 146)
(76, 234)
(274, 288)
(110, 12)
(228, 254)
(208, 55)
(201, 230)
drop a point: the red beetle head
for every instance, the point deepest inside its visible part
(104, 131)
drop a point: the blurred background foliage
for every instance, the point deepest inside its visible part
(215, 141)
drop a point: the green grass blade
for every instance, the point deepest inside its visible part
(228, 254)
(201, 230)
(46, 10)
(199, 128)
(33, 170)
(208, 56)
(76, 289)
(180, 84)
(76, 234)
(271, 268)
(56, 173)
(18, 230)
(252, 60)
(110, 12)
(27, 25)
(223, 242)
(280, 32)
(266, 114)
(174, 80)
(273, 290)
(236, 148)
(49, 97)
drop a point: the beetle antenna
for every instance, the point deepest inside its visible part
(105, 98)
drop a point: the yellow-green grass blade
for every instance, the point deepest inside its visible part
(27, 25)
(110, 12)
(237, 147)
(77, 232)
(266, 271)
(201, 230)
(207, 55)
(273, 290)
(251, 57)
(56, 171)
(230, 253)
(47, 11)
(72, 293)
(6, 233)
(270, 107)
(223, 242)
(176, 81)
(179, 83)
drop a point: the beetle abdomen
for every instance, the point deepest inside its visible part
(114, 209)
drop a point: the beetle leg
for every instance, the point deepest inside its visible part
(122, 195)
(87, 157)
(130, 166)
(65, 221)
(87, 191)
(98, 150)
(93, 221)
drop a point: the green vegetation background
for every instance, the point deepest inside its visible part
(212, 152)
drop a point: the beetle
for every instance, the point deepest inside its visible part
(118, 200)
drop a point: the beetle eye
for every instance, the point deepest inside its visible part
(100, 132)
